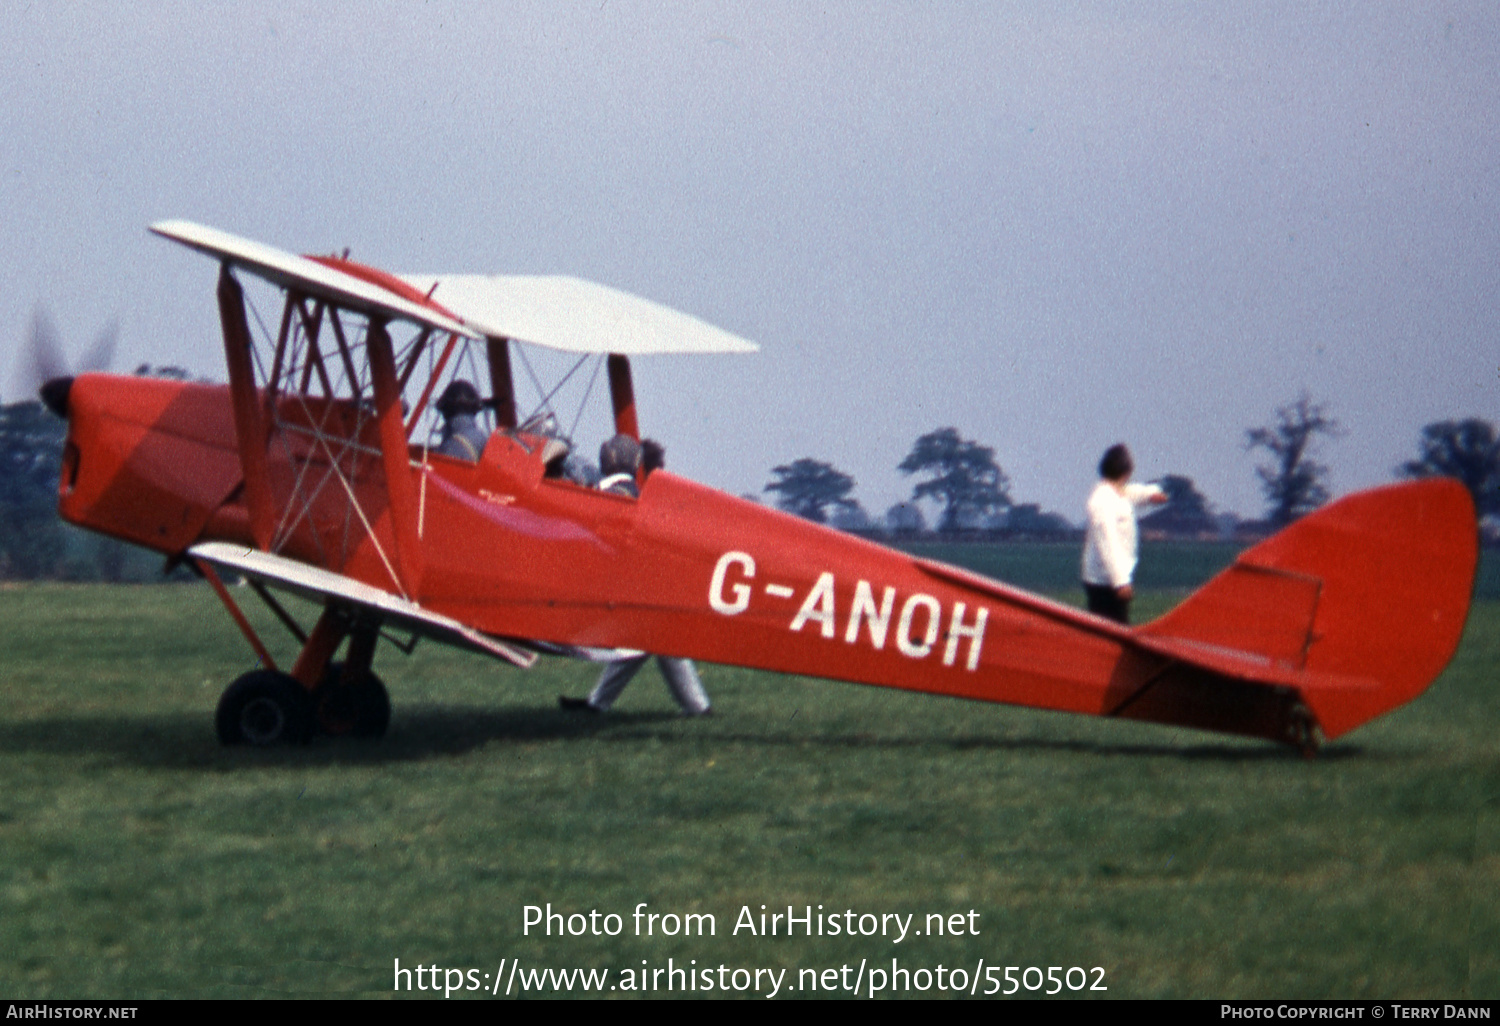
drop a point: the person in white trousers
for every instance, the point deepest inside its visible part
(618, 459)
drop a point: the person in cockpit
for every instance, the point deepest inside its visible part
(459, 406)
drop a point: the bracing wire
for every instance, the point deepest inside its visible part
(584, 402)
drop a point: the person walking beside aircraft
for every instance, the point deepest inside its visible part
(463, 438)
(1109, 552)
(618, 459)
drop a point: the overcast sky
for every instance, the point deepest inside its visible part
(1052, 226)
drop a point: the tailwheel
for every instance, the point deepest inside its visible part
(1303, 732)
(264, 708)
(357, 708)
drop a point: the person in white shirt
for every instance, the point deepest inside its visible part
(1109, 552)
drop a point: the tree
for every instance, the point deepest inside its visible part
(851, 517)
(1294, 483)
(965, 477)
(1186, 511)
(1028, 519)
(808, 487)
(1464, 449)
(32, 543)
(905, 518)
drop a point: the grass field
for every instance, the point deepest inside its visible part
(140, 859)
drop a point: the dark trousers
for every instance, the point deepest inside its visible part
(1106, 602)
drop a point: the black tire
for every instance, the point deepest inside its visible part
(264, 708)
(361, 708)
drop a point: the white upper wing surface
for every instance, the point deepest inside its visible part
(554, 311)
(573, 315)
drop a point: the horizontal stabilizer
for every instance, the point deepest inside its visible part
(1251, 667)
(322, 585)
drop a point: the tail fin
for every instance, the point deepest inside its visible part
(1358, 606)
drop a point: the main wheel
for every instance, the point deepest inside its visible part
(264, 708)
(360, 708)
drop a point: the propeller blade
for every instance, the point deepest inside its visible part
(44, 359)
(102, 354)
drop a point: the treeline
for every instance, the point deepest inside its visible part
(959, 479)
(34, 543)
(971, 493)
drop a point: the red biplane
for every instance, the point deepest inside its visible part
(310, 473)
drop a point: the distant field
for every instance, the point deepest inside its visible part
(140, 859)
(1164, 565)
(1055, 567)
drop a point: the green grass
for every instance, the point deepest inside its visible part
(139, 859)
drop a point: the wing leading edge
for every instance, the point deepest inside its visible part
(553, 311)
(304, 275)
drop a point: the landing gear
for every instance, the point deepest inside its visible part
(357, 707)
(264, 708)
(344, 699)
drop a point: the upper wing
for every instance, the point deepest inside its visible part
(573, 315)
(311, 582)
(307, 276)
(552, 311)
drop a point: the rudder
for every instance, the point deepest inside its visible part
(1372, 590)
